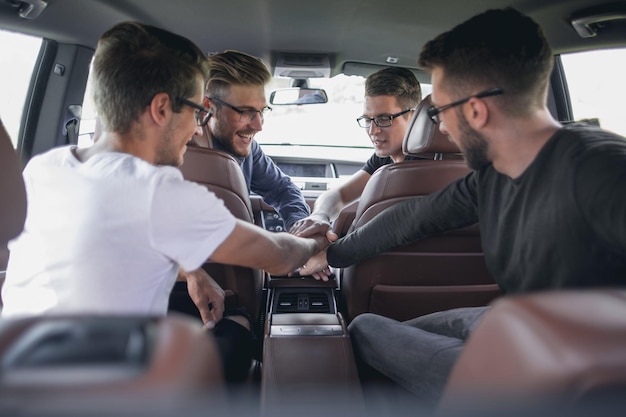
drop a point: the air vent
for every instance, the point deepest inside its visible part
(292, 302)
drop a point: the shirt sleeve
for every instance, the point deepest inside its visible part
(374, 163)
(188, 222)
(600, 187)
(408, 221)
(276, 188)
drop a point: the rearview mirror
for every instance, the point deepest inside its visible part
(285, 96)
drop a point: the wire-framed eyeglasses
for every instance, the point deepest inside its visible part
(380, 121)
(245, 115)
(433, 112)
(202, 113)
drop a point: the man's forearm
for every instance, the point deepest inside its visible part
(328, 205)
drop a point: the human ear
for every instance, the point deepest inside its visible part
(477, 113)
(161, 108)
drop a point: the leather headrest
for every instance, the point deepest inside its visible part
(204, 141)
(423, 136)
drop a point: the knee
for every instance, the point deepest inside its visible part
(363, 324)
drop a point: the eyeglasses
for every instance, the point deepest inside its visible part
(380, 121)
(245, 115)
(433, 111)
(202, 113)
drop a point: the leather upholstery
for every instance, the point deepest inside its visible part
(220, 173)
(73, 365)
(297, 368)
(558, 347)
(436, 273)
(13, 207)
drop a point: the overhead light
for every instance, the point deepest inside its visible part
(392, 60)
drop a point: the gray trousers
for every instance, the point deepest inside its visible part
(417, 354)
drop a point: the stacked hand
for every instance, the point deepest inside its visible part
(315, 226)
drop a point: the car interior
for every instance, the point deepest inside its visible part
(557, 348)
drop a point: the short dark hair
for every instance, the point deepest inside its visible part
(133, 62)
(498, 48)
(395, 81)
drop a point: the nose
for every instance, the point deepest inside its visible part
(198, 131)
(373, 128)
(257, 122)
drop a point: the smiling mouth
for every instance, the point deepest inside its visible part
(246, 137)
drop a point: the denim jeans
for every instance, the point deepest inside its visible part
(417, 354)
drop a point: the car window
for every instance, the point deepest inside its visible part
(328, 129)
(328, 124)
(299, 130)
(18, 54)
(596, 85)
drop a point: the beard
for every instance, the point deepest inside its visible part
(225, 137)
(473, 145)
(166, 152)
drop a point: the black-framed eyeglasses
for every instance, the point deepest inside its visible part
(380, 121)
(202, 113)
(245, 115)
(433, 112)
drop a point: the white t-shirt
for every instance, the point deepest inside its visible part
(107, 236)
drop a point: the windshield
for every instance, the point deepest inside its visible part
(329, 124)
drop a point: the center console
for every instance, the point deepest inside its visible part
(307, 351)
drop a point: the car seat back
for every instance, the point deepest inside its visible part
(433, 274)
(554, 348)
(220, 173)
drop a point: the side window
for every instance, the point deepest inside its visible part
(88, 118)
(18, 54)
(596, 85)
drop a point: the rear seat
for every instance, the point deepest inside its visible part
(436, 273)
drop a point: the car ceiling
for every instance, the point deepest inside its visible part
(363, 31)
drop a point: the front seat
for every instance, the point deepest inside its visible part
(220, 173)
(433, 274)
(558, 349)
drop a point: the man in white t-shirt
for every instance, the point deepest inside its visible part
(109, 226)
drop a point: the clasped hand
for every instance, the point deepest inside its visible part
(315, 226)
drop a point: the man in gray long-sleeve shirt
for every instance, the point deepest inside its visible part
(550, 200)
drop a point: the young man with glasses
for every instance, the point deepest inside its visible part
(549, 199)
(235, 96)
(109, 226)
(391, 95)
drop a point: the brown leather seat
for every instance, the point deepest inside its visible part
(559, 347)
(73, 365)
(436, 273)
(13, 207)
(221, 174)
